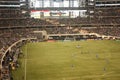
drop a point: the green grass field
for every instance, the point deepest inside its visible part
(94, 60)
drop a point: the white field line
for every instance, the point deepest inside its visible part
(25, 63)
(91, 76)
(95, 76)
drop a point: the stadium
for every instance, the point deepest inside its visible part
(60, 39)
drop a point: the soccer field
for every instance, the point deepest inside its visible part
(91, 60)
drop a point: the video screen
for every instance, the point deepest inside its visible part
(56, 3)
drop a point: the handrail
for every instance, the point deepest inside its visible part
(11, 47)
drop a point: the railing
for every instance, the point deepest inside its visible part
(14, 44)
(9, 49)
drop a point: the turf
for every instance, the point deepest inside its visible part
(93, 60)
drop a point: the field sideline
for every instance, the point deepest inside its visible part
(91, 60)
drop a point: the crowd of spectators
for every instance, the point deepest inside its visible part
(9, 36)
(108, 31)
(99, 20)
(10, 61)
(37, 22)
(14, 17)
(107, 12)
(66, 21)
(14, 26)
(11, 14)
(23, 22)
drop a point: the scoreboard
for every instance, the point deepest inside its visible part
(47, 4)
(58, 13)
(54, 3)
